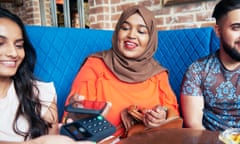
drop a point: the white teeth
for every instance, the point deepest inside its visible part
(9, 63)
(129, 43)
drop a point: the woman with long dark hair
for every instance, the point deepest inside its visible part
(27, 105)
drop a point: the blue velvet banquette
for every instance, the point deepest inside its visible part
(61, 52)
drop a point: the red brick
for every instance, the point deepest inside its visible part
(186, 8)
(186, 15)
(203, 16)
(208, 24)
(160, 20)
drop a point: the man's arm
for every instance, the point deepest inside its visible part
(192, 111)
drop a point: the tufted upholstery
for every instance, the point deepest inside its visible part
(61, 51)
(177, 49)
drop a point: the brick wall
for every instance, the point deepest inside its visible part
(29, 11)
(103, 14)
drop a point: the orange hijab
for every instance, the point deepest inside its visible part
(141, 68)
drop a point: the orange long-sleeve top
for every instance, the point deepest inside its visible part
(96, 82)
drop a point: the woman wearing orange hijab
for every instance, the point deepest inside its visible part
(127, 74)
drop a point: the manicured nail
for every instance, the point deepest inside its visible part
(80, 97)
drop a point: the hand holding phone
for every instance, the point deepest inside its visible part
(94, 126)
(86, 107)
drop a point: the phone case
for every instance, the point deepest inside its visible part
(91, 107)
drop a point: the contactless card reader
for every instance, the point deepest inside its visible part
(93, 128)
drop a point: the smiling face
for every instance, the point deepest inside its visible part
(11, 48)
(133, 37)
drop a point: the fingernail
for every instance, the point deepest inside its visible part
(80, 97)
(159, 109)
(69, 120)
(149, 110)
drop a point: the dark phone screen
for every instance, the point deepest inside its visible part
(86, 104)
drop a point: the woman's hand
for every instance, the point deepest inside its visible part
(56, 139)
(127, 119)
(74, 116)
(154, 117)
(77, 99)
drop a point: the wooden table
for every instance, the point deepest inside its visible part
(174, 136)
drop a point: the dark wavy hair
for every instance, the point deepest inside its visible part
(27, 91)
(223, 7)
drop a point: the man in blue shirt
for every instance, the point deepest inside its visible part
(210, 93)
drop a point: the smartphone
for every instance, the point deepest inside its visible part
(86, 107)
